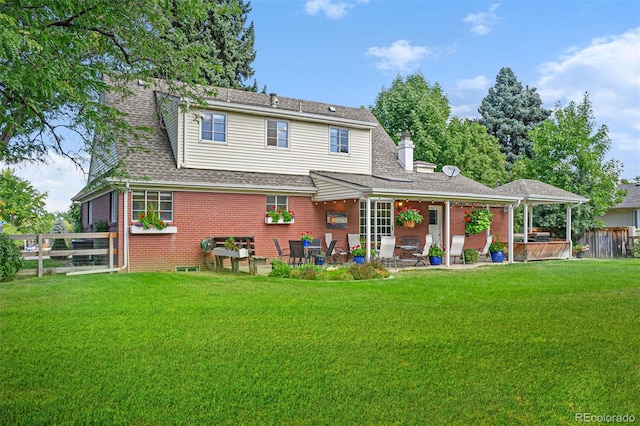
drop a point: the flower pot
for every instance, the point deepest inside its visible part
(306, 243)
(409, 224)
(320, 261)
(359, 260)
(435, 260)
(497, 256)
(580, 255)
(269, 221)
(220, 251)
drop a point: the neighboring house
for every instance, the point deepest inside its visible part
(626, 213)
(215, 172)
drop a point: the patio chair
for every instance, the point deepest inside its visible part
(354, 240)
(281, 253)
(296, 253)
(330, 249)
(388, 251)
(328, 237)
(424, 254)
(484, 252)
(457, 247)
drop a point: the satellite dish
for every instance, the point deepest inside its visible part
(450, 171)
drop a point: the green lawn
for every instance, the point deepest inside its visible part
(514, 344)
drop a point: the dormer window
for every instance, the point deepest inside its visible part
(278, 133)
(338, 140)
(213, 127)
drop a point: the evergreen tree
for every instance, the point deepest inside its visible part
(414, 105)
(228, 46)
(509, 112)
(568, 151)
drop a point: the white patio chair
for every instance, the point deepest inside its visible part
(388, 250)
(424, 254)
(354, 240)
(457, 247)
(485, 250)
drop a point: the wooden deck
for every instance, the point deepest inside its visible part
(524, 252)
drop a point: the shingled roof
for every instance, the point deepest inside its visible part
(632, 199)
(536, 192)
(154, 164)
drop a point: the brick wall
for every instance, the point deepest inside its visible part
(199, 215)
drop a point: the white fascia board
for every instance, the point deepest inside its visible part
(201, 186)
(444, 196)
(303, 116)
(546, 199)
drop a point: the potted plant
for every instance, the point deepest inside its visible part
(320, 258)
(231, 248)
(275, 215)
(435, 254)
(408, 217)
(477, 220)
(496, 248)
(151, 218)
(580, 249)
(359, 253)
(306, 239)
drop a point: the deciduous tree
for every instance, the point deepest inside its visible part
(413, 104)
(568, 151)
(55, 53)
(22, 206)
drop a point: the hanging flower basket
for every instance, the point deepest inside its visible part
(408, 217)
(477, 220)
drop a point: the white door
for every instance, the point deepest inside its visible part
(435, 224)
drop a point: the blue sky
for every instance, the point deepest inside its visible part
(346, 51)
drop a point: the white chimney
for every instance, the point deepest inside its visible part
(405, 152)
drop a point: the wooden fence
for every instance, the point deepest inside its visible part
(62, 253)
(607, 242)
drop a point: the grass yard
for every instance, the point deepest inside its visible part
(526, 344)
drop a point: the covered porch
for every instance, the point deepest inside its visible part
(540, 246)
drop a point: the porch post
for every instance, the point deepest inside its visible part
(569, 230)
(526, 222)
(368, 229)
(447, 231)
(510, 232)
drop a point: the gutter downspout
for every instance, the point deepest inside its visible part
(125, 232)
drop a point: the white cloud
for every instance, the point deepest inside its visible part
(609, 70)
(60, 178)
(482, 22)
(400, 56)
(332, 9)
(476, 83)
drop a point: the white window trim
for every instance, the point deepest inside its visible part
(134, 213)
(213, 132)
(348, 141)
(266, 133)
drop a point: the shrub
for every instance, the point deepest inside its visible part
(279, 269)
(368, 271)
(471, 255)
(307, 272)
(10, 260)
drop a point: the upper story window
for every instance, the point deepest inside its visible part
(338, 140)
(278, 133)
(162, 202)
(213, 126)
